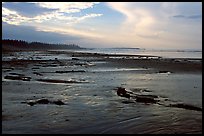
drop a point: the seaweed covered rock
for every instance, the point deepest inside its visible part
(152, 99)
(186, 106)
(146, 99)
(43, 101)
(122, 92)
(58, 102)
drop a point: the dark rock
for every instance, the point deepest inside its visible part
(31, 103)
(75, 59)
(163, 71)
(122, 92)
(186, 106)
(79, 64)
(38, 57)
(58, 102)
(127, 102)
(145, 99)
(35, 68)
(17, 74)
(126, 95)
(42, 101)
(149, 96)
(24, 78)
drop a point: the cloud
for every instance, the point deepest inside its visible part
(66, 7)
(29, 33)
(27, 9)
(12, 17)
(139, 20)
(56, 19)
(69, 31)
(151, 24)
(179, 16)
(189, 17)
(61, 12)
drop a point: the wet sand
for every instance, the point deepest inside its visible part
(86, 83)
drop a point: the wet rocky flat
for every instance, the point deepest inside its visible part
(72, 92)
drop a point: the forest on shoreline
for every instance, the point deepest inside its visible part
(21, 45)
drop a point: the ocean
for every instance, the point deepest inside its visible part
(154, 52)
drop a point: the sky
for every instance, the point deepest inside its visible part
(155, 25)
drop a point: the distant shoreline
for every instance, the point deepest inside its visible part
(175, 65)
(20, 45)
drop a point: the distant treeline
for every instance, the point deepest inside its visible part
(10, 45)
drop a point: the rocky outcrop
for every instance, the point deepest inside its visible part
(43, 101)
(185, 106)
(23, 78)
(138, 98)
(152, 99)
(122, 92)
(145, 99)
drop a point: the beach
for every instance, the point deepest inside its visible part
(69, 92)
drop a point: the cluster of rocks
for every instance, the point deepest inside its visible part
(138, 98)
(152, 99)
(43, 101)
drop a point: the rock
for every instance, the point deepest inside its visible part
(31, 103)
(163, 71)
(43, 101)
(127, 95)
(186, 106)
(122, 92)
(20, 75)
(24, 78)
(145, 99)
(75, 59)
(149, 96)
(58, 102)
